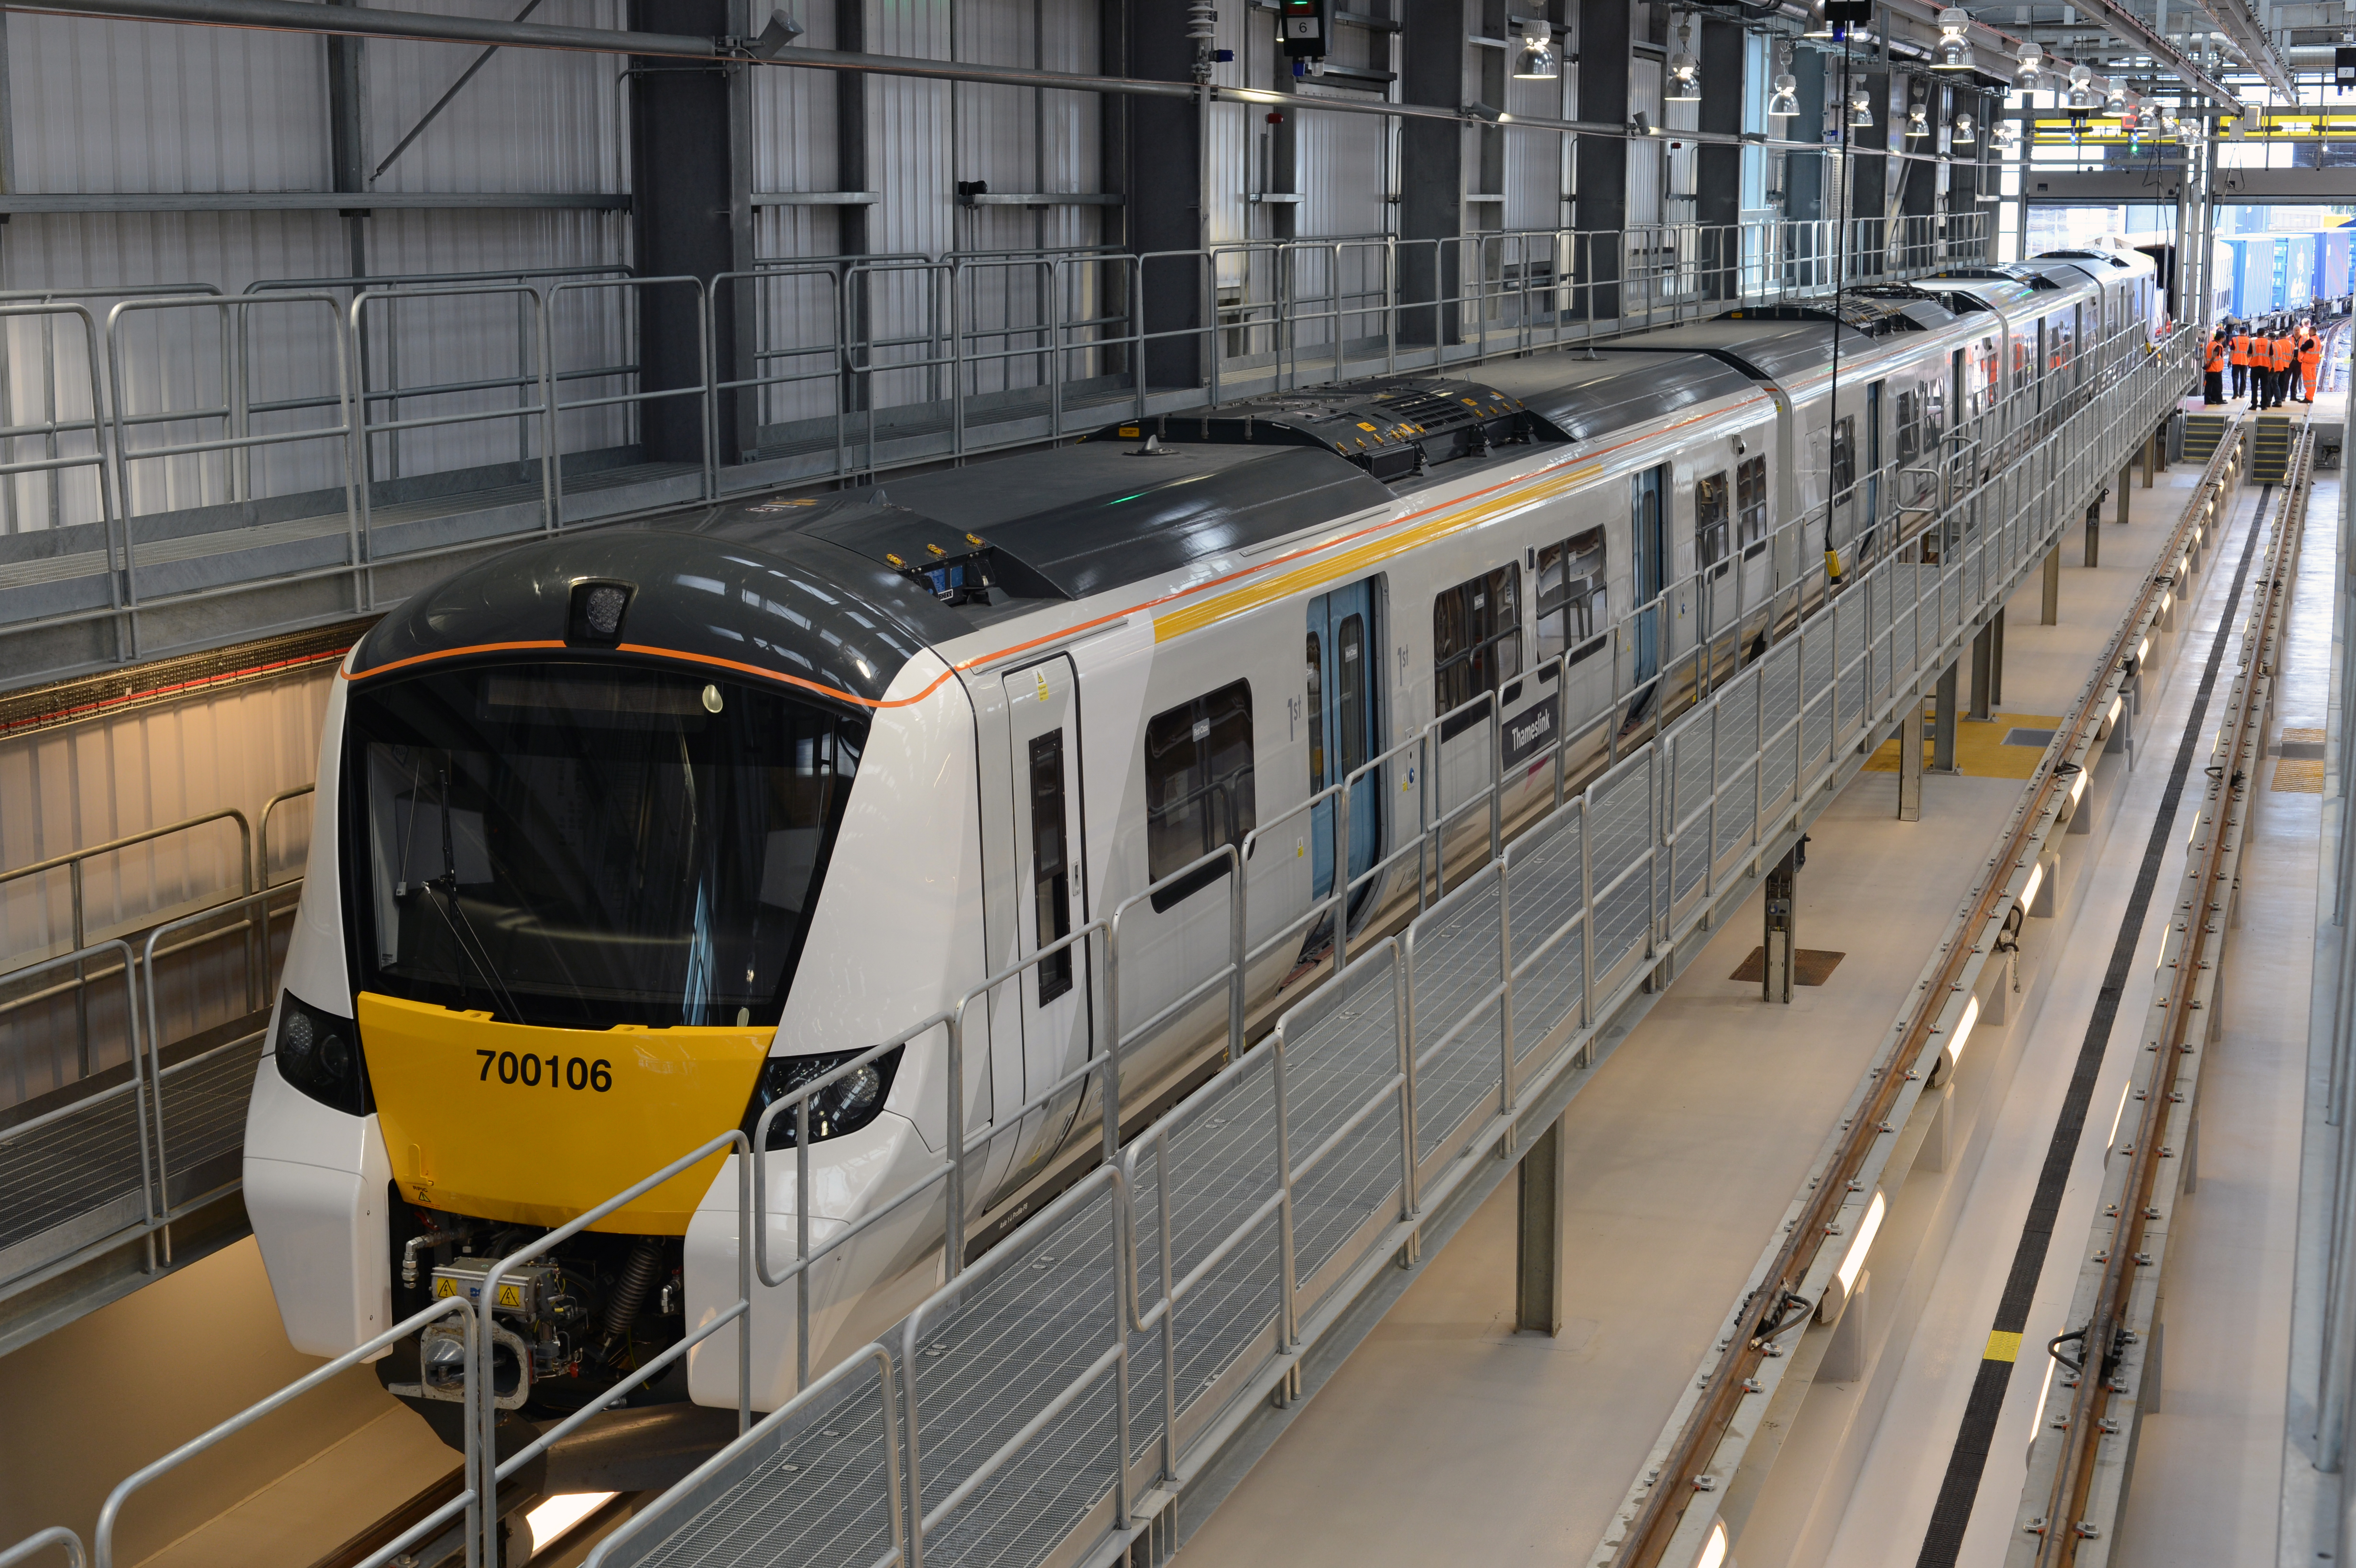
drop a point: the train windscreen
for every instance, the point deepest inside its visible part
(584, 844)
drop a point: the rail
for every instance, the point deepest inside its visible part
(2078, 1466)
(1670, 1508)
(41, 1540)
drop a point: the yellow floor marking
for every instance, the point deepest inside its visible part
(2002, 1347)
(2300, 776)
(1980, 750)
(2297, 736)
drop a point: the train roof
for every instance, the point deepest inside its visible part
(1778, 343)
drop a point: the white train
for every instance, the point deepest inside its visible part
(622, 835)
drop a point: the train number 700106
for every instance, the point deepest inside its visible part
(560, 1071)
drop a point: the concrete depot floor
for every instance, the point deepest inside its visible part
(2207, 1465)
(1446, 1437)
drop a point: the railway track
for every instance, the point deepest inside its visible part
(2078, 1468)
(1684, 1471)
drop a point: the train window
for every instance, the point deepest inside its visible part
(1051, 873)
(1316, 713)
(1751, 502)
(1571, 608)
(577, 845)
(1476, 642)
(1844, 459)
(1909, 428)
(1198, 787)
(1935, 410)
(1713, 519)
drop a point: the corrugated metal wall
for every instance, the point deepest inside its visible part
(94, 782)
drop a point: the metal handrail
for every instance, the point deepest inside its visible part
(41, 1540)
(262, 862)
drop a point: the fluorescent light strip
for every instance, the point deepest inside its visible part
(2036, 881)
(2117, 703)
(2120, 1115)
(1858, 1248)
(1713, 1550)
(2078, 789)
(1963, 1031)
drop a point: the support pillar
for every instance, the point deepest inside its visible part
(1540, 1208)
(1996, 660)
(2154, 450)
(691, 214)
(1942, 727)
(1163, 181)
(1910, 762)
(1718, 167)
(1600, 211)
(2049, 612)
(1782, 939)
(2095, 534)
(1983, 709)
(2126, 471)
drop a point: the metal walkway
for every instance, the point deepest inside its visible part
(1045, 1404)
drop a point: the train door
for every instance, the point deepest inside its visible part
(1344, 728)
(1873, 398)
(1052, 902)
(1648, 500)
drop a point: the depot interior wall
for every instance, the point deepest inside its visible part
(90, 783)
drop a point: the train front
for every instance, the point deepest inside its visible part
(576, 808)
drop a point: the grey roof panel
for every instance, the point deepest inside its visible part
(1585, 398)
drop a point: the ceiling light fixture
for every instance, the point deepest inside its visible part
(1684, 71)
(2031, 70)
(1954, 45)
(1960, 130)
(1784, 101)
(2082, 94)
(1538, 60)
(1860, 106)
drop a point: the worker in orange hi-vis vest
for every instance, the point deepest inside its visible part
(2272, 354)
(2261, 370)
(2285, 355)
(2241, 362)
(2310, 363)
(2213, 371)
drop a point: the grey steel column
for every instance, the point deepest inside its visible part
(1600, 208)
(1910, 762)
(2126, 471)
(2095, 533)
(1718, 169)
(692, 210)
(1163, 183)
(1431, 170)
(1540, 1208)
(1996, 659)
(1781, 944)
(2049, 612)
(1943, 728)
(1982, 674)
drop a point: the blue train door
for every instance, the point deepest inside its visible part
(1344, 717)
(1647, 505)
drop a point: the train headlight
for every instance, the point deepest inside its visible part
(319, 1054)
(845, 1106)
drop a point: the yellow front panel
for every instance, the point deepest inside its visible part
(478, 1122)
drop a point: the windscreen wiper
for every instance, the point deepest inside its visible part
(446, 884)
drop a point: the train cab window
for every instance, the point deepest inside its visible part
(578, 845)
(1051, 873)
(1844, 454)
(1571, 611)
(1198, 787)
(1476, 642)
(1713, 520)
(1750, 503)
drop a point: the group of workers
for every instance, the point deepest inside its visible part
(2269, 369)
